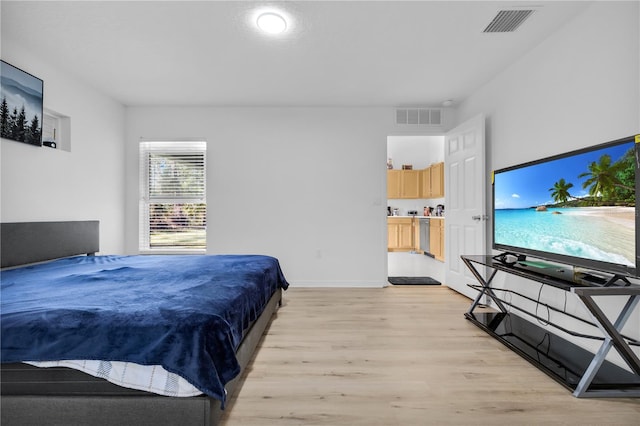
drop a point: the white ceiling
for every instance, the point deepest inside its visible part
(337, 53)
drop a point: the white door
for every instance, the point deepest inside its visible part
(465, 214)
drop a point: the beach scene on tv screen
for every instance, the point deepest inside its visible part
(582, 205)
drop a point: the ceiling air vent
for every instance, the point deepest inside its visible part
(507, 21)
(419, 116)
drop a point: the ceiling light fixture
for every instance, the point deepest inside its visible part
(447, 103)
(271, 23)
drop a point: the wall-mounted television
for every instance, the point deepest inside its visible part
(577, 208)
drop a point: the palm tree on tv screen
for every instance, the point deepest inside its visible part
(560, 191)
(602, 177)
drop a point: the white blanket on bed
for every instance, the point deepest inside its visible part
(149, 378)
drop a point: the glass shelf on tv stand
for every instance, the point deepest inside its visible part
(584, 373)
(560, 276)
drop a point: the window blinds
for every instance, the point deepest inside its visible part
(173, 206)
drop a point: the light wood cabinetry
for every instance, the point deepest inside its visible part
(432, 180)
(416, 235)
(437, 180)
(425, 183)
(425, 176)
(404, 184)
(393, 183)
(401, 233)
(410, 187)
(436, 238)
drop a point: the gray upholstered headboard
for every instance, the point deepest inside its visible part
(29, 242)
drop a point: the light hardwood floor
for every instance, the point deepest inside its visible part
(402, 355)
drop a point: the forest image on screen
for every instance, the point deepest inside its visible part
(581, 205)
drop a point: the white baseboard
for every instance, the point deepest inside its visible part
(337, 284)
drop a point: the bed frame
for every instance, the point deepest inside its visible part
(62, 396)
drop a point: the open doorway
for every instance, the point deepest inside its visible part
(413, 257)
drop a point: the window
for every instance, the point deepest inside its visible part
(173, 206)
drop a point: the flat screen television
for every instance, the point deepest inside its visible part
(577, 208)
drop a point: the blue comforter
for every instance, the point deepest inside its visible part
(186, 313)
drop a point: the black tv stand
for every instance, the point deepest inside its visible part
(605, 281)
(562, 273)
(615, 278)
(585, 374)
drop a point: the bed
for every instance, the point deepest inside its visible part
(192, 321)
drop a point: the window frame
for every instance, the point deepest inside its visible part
(168, 147)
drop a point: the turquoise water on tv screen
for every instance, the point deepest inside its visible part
(597, 233)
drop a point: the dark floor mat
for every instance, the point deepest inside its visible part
(413, 281)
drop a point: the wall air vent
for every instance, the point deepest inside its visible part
(419, 116)
(507, 21)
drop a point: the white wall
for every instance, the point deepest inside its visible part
(306, 185)
(579, 87)
(418, 151)
(44, 184)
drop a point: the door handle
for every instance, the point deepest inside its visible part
(480, 217)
